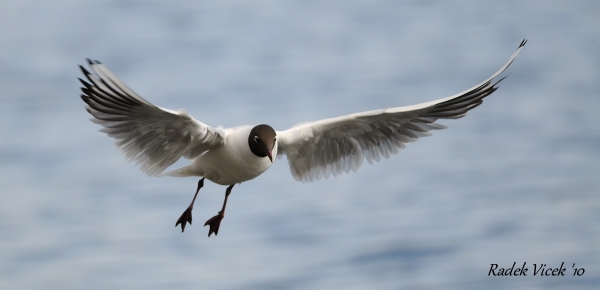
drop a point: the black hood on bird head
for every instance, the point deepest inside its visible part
(262, 141)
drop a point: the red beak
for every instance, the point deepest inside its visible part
(270, 154)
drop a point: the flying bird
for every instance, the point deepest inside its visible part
(155, 138)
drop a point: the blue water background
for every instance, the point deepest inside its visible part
(517, 180)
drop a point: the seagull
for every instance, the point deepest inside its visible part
(155, 138)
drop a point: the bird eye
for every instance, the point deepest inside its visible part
(275, 140)
(256, 139)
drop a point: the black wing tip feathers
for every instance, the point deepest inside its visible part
(92, 61)
(522, 43)
(501, 79)
(83, 70)
(470, 99)
(85, 84)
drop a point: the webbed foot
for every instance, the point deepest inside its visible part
(186, 217)
(214, 223)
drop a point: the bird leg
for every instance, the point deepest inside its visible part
(215, 221)
(187, 214)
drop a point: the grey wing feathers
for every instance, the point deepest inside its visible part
(151, 136)
(339, 145)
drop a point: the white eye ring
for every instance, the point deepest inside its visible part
(256, 139)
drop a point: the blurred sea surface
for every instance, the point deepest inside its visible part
(517, 180)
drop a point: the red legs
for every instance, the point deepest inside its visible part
(215, 221)
(187, 214)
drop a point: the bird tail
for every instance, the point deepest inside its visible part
(181, 172)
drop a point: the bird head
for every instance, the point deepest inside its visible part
(262, 140)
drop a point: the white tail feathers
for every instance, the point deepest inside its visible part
(181, 172)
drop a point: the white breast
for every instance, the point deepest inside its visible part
(233, 162)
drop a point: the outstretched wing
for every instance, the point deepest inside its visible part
(151, 136)
(336, 145)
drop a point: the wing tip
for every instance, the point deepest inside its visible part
(84, 83)
(498, 81)
(522, 43)
(84, 71)
(92, 61)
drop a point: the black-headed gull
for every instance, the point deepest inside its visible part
(155, 137)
